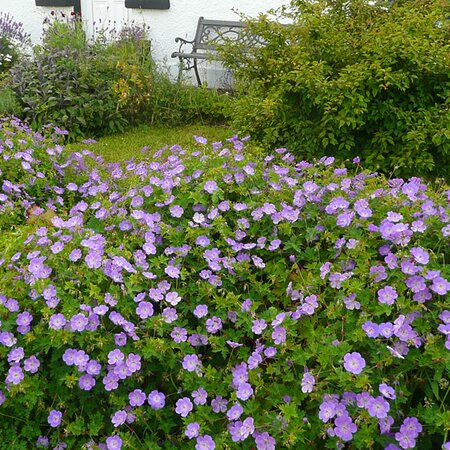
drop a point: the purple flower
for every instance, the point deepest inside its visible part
(54, 418)
(169, 315)
(179, 334)
(15, 375)
(199, 396)
(16, 355)
(440, 285)
(420, 255)
(405, 440)
(270, 352)
(386, 424)
(115, 357)
(214, 325)
(176, 211)
(327, 411)
(137, 397)
(205, 442)
(200, 139)
(378, 407)
(244, 392)
(387, 295)
(156, 399)
(24, 319)
(31, 364)
(192, 430)
(78, 322)
(308, 382)
(354, 363)
(93, 260)
(210, 187)
(133, 362)
(42, 441)
(219, 404)
(235, 412)
(93, 367)
(57, 321)
(80, 359)
(371, 329)
(387, 391)
(172, 271)
(279, 335)
(86, 382)
(183, 406)
(411, 427)
(264, 441)
(241, 430)
(120, 339)
(114, 443)
(344, 427)
(144, 310)
(119, 418)
(259, 326)
(191, 363)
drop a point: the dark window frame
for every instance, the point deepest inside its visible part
(76, 4)
(59, 3)
(147, 4)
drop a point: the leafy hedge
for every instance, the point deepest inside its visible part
(226, 300)
(347, 78)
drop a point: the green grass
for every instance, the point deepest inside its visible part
(9, 105)
(122, 147)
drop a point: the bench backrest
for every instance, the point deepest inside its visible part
(211, 33)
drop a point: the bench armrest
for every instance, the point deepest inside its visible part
(183, 42)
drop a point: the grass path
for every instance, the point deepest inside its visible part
(122, 147)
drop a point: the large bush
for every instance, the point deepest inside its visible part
(352, 77)
(225, 301)
(86, 87)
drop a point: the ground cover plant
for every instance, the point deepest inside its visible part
(348, 78)
(225, 300)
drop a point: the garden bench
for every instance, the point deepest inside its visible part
(209, 36)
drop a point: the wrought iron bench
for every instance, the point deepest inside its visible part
(209, 35)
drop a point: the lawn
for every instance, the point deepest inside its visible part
(124, 146)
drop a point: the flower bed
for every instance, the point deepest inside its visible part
(223, 301)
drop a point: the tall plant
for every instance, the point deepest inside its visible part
(12, 39)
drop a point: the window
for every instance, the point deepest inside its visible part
(75, 3)
(55, 2)
(148, 4)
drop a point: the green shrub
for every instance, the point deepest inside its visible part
(88, 89)
(226, 300)
(348, 78)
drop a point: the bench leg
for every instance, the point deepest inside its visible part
(196, 73)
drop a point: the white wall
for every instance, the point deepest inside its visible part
(181, 19)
